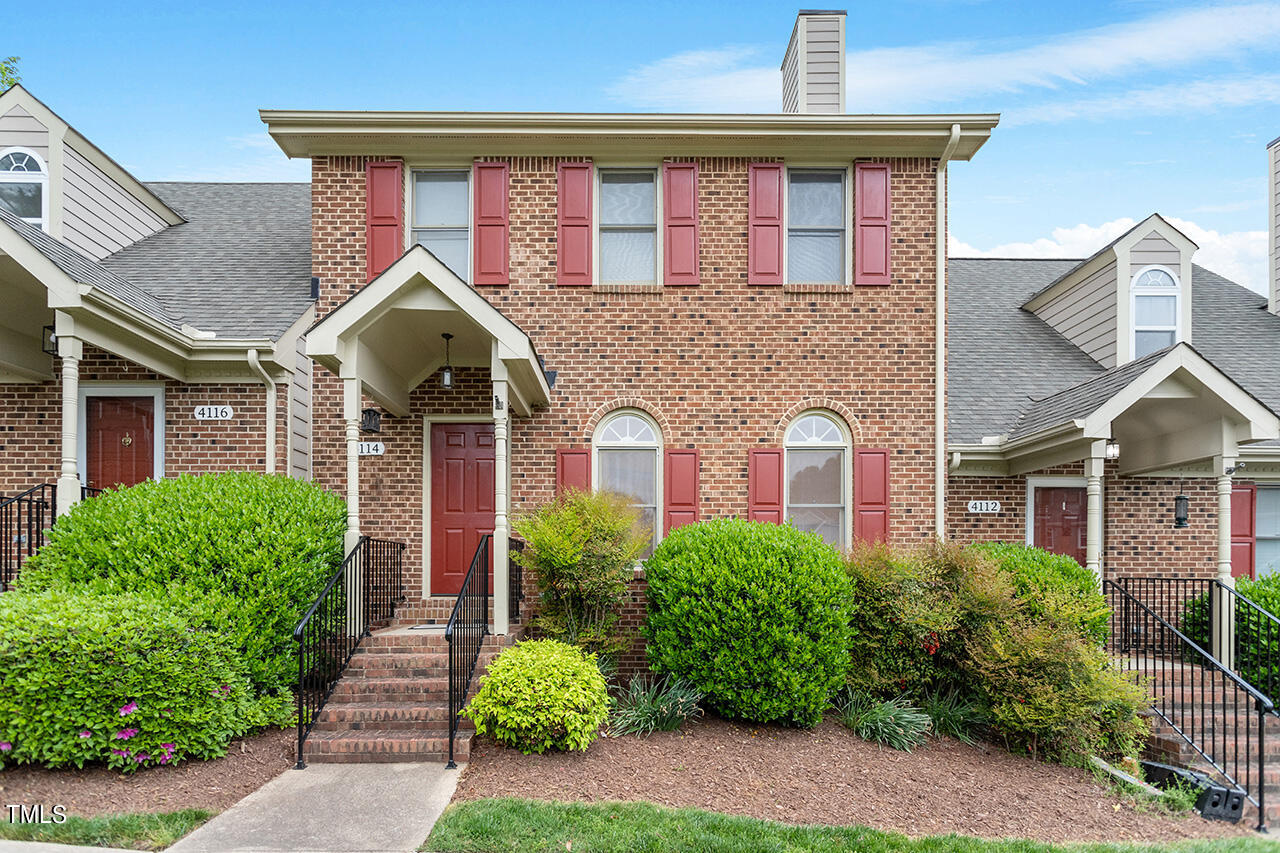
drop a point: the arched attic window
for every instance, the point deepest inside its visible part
(24, 185)
(1156, 310)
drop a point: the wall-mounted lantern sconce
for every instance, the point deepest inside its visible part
(371, 421)
(48, 341)
(1181, 509)
(446, 372)
(1113, 449)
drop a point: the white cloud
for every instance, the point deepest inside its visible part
(900, 78)
(1238, 255)
(1169, 99)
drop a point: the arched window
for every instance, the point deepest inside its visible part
(817, 499)
(24, 185)
(1156, 310)
(628, 450)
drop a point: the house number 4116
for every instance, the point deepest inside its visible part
(214, 413)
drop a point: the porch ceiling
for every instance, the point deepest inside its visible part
(26, 312)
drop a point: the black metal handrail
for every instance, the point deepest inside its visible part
(1216, 712)
(515, 580)
(465, 633)
(24, 518)
(334, 625)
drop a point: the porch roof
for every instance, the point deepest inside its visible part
(388, 335)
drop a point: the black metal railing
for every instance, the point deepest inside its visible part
(363, 591)
(24, 518)
(515, 580)
(465, 633)
(1212, 709)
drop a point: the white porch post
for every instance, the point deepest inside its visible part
(71, 350)
(1093, 468)
(1224, 615)
(501, 466)
(351, 415)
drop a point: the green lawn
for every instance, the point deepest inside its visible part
(524, 826)
(135, 831)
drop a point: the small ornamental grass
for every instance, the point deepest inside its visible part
(891, 722)
(540, 695)
(648, 705)
(953, 715)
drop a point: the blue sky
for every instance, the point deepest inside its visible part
(1111, 110)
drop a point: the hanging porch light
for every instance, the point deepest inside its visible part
(446, 372)
(1181, 510)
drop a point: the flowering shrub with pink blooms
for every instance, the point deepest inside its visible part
(120, 679)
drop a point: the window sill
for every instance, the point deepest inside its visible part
(627, 288)
(817, 288)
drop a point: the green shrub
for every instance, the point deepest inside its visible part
(582, 549)
(540, 695)
(952, 714)
(648, 705)
(754, 616)
(244, 553)
(891, 722)
(119, 679)
(1257, 646)
(1053, 586)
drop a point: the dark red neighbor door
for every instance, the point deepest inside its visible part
(119, 440)
(1244, 541)
(1060, 521)
(461, 500)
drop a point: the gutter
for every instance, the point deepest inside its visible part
(940, 340)
(256, 364)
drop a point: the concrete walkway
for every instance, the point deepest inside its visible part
(332, 808)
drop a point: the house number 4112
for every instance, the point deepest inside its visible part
(214, 413)
(984, 506)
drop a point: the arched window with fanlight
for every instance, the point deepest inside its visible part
(628, 453)
(1156, 310)
(24, 185)
(818, 475)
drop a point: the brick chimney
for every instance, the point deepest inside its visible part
(813, 67)
(1273, 222)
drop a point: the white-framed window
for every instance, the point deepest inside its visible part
(1156, 310)
(818, 475)
(627, 450)
(817, 226)
(24, 185)
(1267, 531)
(441, 216)
(628, 231)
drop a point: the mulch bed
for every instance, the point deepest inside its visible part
(211, 785)
(830, 776)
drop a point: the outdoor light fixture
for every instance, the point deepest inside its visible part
(1181, 507)
(446, 373)
(48, 341)
(371, 421)
(1113, 449)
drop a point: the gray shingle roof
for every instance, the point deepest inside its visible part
(239, 266)
(1001, 359)
(86, 271)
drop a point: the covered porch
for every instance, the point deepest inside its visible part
(414, 320)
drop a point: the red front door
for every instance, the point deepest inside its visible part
(461, 500)
(119, 441)
(1060, 521)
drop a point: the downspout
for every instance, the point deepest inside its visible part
(256, 364)
(940, 340)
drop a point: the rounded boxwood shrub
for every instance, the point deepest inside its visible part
(118, 679)
(243, 553)
(540, 695)
(1053, 586)
(754, 616)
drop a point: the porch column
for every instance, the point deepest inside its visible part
(501, 531)
(1093, 468)
(351, 415)
(1224, 611)
(71, 350)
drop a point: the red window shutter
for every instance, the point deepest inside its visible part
(871, 495)
(573, 470)
(1244, 498)
(384, 214)
(764, 223)
(680, 223)
(679, 489)
(573, 224)
(872, 211)
(765, 472)
(492, 224)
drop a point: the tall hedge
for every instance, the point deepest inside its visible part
(242, 553)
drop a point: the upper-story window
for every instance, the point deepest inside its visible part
(817, 496)
(441, 216)
(24, 185)
(1156, 311)
(628, 226)
(628, 447)
(816, 233)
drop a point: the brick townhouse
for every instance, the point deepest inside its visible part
(715, 314)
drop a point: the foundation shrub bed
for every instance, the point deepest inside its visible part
(1052, 584)
(119, 679)
(244, 554)
(647, 705)
(540, 695)
(754, 616)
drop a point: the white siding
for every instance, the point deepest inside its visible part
(1154, 249)
(300, 415)
(1086, 315)
(1274, 159)
(822, 77)
(18, 128)
(99, 216)
(791, 77)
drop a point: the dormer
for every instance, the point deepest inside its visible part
(1128, 300)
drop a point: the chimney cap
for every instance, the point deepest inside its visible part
(822, 12)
